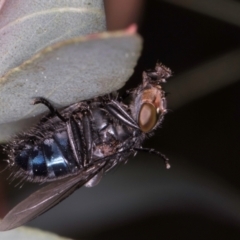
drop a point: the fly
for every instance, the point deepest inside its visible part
(76, 146)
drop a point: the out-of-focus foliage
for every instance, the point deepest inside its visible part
(65, 72)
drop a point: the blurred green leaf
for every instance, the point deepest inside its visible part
(68, 72)
(71, 69)
(28, 26)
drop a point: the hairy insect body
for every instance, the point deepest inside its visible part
(55, 149)
(102, 128)
(77, 145)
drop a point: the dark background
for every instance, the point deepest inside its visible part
(199, 197)
(201, 138)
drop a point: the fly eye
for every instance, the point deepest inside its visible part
(147, 117)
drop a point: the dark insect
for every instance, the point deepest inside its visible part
(76, 146)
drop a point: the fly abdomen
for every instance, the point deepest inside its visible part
(32, 161)
(49, 159)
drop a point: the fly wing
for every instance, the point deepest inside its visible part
(46, 198)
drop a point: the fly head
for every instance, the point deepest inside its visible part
(148, 99)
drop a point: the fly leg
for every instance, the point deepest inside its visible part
(118, 112)
(51, 108)
(87, 134)
(79, 128)
(76, 141)
(151, 150)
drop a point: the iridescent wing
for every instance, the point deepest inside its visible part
(46, 198)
